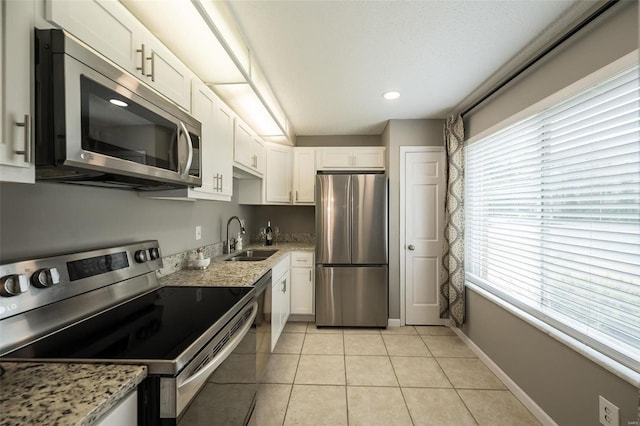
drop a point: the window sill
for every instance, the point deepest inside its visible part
(614, 367)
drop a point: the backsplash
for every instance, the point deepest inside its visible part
(294, 237)
(175, 262)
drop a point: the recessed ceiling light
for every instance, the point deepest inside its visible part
(118, 102)
(391, 95)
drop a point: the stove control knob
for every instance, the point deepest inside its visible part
(12, 285)
(154, 253)
(141, 256)
(46, 277)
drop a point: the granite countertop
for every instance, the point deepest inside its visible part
(63, 393)
(233, 274)
(79, 394)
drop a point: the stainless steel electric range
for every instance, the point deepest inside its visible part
(105, 306)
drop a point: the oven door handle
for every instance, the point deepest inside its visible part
(192, 384)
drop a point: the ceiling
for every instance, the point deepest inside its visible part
(329, 62)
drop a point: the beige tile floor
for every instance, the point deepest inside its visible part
(397, 376)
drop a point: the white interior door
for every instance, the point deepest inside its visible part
(423, 186)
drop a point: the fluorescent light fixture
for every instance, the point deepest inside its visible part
(248, 105)
(391, 95)
(118, 102)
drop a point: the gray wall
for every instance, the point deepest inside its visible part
(290, 219)
(350, 140)
(402, 133)
(610, 37)
(48, 218)
(562, 382)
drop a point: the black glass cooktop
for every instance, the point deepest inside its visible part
(156, 326)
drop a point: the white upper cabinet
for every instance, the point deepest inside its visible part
(248, 150)
(16, 76)
(108, 27)
(216, 145)
(304, 176)
(351, 158)
(278, 176)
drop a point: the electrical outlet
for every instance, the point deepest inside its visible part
(198, 232)
(609, 413)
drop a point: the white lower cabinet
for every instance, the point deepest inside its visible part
(302, 283)
(125, 413)
(280, 298)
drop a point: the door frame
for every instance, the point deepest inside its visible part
(404, 150)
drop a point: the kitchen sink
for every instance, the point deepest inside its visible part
(251, 256)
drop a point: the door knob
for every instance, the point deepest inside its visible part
(411, 247)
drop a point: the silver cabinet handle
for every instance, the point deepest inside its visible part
(143, 59)
(284, 285)
(411, 247)
(221, 181)
(309, 275)
(152, 58)
(27, 138)
(289, 196)
(296, 195)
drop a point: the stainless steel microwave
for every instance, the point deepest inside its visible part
(98, 125)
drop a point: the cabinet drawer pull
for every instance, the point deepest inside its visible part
(152, 58)
(221, 180)
(143, 60)
(309, 275)
(27, 138)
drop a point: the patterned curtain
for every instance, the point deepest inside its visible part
(452, 282)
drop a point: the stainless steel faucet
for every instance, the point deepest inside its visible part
(230, 244)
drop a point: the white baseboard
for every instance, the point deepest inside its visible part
(517, 391)
(393, 322)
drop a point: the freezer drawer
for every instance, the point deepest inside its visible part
(352, 296)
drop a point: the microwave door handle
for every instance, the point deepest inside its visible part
(185, 171)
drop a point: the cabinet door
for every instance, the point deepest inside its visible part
(302, 291)
(105, 25)
(16, 147)
(276, 313)
(351, 158)
(336, 158)
(243, 145)
(165, 72)
(304, 176)
(369, 158)
(260, 154)
(286, 299)
(248, 150)
(203, 106)
(222, 161)
(278, 174)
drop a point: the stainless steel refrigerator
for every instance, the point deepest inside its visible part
(352, 250)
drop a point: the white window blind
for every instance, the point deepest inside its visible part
(552, 208)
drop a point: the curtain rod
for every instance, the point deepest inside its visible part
(542, 54)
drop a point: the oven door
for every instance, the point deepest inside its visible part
(219, 386)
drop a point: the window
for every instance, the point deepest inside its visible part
(552, 208)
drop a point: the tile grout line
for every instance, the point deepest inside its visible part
(286, 410)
